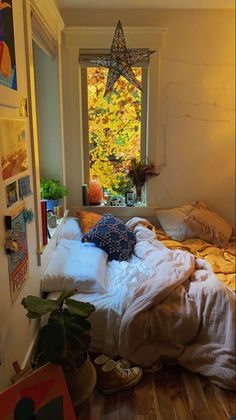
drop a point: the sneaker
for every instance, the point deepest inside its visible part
(112, 378)
(102, 359)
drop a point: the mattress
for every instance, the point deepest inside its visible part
(121, 280)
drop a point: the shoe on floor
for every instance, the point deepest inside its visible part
(102, 359)
(112, 378)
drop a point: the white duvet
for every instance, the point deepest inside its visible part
(163, 304)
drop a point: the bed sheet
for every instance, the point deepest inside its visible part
(122, 278)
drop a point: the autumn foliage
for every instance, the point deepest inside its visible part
(114, 124)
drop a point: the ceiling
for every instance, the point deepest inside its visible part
(146, 4)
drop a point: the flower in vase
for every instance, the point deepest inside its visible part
(140, 172)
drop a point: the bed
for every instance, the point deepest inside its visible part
(171, 301)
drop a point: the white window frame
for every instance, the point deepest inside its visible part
(84, 91)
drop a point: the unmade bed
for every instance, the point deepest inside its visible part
(165, 303)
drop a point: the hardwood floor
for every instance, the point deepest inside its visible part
(172, 393)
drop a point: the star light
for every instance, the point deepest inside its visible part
(120, 60)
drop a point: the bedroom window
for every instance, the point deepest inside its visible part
(114, 127)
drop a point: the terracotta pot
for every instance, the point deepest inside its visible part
(82, 382)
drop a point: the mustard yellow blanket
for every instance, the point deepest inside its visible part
(222, 261)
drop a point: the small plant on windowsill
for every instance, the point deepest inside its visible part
(140, 171)
(53, 191)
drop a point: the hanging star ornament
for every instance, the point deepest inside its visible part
(120, 60)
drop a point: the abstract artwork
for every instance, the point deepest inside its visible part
(18, 260)
(42, 395)
(7, 46)
(13, 146)
(120, 60)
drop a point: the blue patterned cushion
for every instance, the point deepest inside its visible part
(112, 235)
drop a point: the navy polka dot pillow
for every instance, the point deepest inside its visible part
(112, 235)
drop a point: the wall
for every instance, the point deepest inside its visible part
(16, 332)
(195, 136)
(48, 113)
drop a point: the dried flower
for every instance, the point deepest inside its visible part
(139, 171)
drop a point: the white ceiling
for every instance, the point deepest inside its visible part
(146, 4)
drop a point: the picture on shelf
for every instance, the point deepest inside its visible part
(11, 194)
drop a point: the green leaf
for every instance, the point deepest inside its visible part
(79, 308)
(66, 294)
(64, 337)
(37, 306)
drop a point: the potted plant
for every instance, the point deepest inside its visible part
(65, 340)
(53, 191)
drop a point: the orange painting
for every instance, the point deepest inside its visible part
(41, 395)
(13, 146)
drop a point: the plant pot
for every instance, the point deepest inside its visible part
(82, 382)
(54, 203)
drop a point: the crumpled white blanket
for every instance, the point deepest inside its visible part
(181, 313)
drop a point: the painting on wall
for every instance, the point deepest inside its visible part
(13, 145)
(42, 394)
(11, 194)
(24, 187)
(18, 260)
(7, 46)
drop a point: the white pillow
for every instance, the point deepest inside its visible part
(172, 221)
(71, 230)
(76, 265)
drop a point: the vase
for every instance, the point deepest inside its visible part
(138, 193)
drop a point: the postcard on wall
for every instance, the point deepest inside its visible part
(43, 394)
(18, 260)
(11, 194)
(7, 46)
(13, 144)
(24, 187)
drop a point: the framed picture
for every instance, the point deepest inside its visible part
(42, 394)
(24, 187)
(8, 61)
(11, 194)
(14, 147)
(18, 260)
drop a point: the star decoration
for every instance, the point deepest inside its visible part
(120, 60)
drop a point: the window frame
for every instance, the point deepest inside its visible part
(84, 103)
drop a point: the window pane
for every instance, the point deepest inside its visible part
(114, 127)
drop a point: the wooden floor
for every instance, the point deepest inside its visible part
(172, 393)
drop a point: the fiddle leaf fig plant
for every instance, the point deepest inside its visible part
(65, 338)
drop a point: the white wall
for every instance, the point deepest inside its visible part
(16, 332)
(195, 137)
